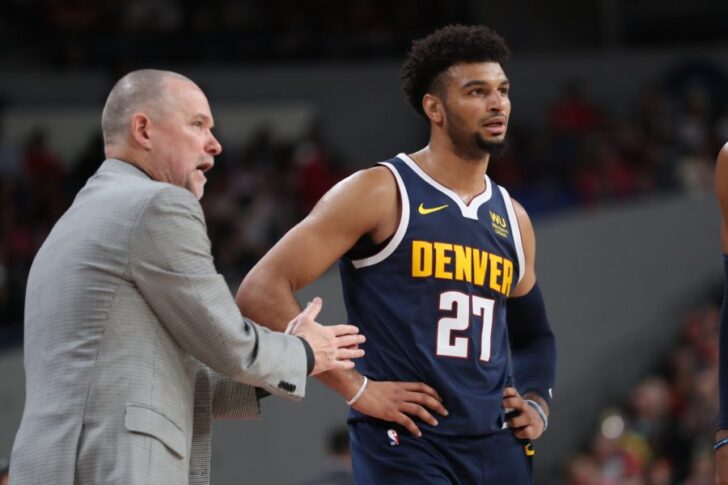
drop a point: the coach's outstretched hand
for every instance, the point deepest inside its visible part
(399, 402)
(526, 422)
(333, 345)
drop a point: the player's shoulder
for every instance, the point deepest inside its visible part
(723, 154)
(721, 173)
(376, 175)
(363, 201)
(369, 184)
(521, 213)
(518, 208)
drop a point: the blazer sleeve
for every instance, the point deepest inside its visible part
(225, 398)
(232, 399)
(172, 266)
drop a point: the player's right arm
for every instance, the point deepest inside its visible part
(721, 190)
(366, 203)
(533, 345)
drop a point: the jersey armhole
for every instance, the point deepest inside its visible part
(401, 227)
(516, 231)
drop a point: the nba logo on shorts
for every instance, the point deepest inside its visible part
(393, 437)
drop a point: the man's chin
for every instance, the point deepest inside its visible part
(197, 190)
(493, 147)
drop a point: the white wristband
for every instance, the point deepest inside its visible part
(540, 412)
(359, 392)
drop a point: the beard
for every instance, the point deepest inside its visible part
(494, 148)
(468, 145)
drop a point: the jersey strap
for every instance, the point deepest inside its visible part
(517, 242)
(401, 228)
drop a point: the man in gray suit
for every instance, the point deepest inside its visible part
(132, 340)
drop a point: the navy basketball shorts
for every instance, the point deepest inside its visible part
(383, 453)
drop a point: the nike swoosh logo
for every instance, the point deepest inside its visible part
(422, 210)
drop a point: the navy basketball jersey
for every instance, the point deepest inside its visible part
(432, 301)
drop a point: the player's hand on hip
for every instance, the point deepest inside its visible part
(334, 346)
(400, 402)
(525, 421)
(721, 460)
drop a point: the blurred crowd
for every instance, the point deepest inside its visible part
(116, 33)
(663, 434)
(119, 34)
(254, 194)
(581, 154)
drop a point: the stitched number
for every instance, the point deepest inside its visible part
(447, 345)
(483, 307)
(454, 346)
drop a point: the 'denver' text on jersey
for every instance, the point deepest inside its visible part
(450, 261)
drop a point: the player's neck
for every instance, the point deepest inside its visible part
(464, 177)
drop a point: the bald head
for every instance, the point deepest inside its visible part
(142, 90)
(161, 123)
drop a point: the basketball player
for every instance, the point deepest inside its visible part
(721, 438)
(437, 268)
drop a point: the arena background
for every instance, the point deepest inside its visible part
(619, 109)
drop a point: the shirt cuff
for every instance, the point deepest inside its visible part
(310, 359)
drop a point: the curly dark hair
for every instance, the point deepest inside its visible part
(450, 45)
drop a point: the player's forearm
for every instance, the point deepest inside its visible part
(271, 304)
(534, 366)
(346, 382)
(533, 344)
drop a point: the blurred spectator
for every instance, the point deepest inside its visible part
(72, 25)
(663, 435)
(721, 126)
(605, 173)
(584, 470)
(572, 114)
(660, 472)
(149, 16)
(702, 472)
(693, 126)
(316, 172)
(695, 169)
(10, 160)
(339, 468)
(39, 162)
(87, 162)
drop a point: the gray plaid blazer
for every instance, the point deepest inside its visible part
(133, 342)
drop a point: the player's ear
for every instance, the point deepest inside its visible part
(432, 106)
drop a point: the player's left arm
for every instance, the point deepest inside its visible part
(533, 345)
(721, 436)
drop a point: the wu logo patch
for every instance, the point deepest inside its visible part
(500, 226)
(393, 437)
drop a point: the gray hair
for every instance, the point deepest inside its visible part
(139, 90)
